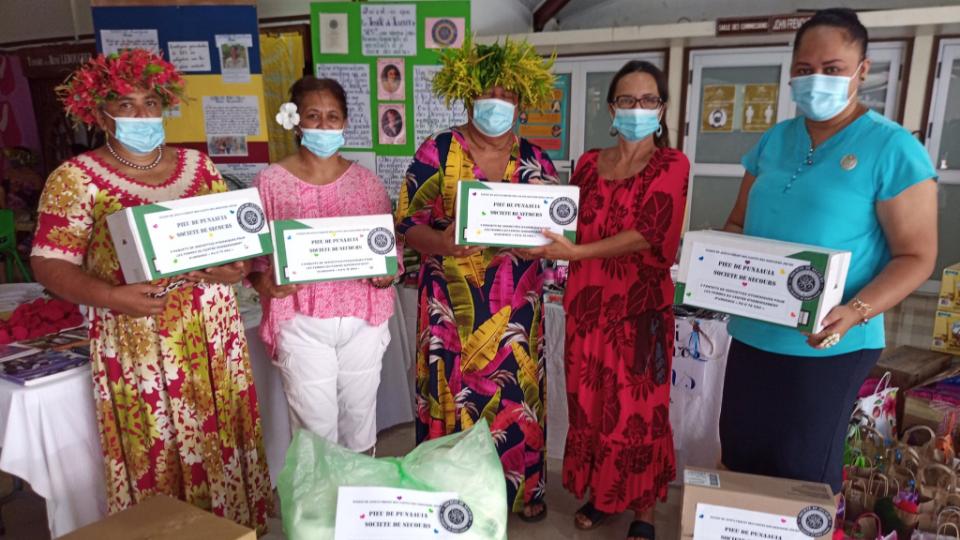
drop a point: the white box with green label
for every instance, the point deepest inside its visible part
(329, 249)
(173, 237)
(503, 214)
(789, 284)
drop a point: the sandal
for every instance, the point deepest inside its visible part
(590, 512)
(539, 516)
(641, 529)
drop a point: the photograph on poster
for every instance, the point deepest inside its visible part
(334, 33)
(392, 128)
(392, 84)
(234, 58)
(227, 145)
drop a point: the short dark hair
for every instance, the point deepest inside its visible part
(662, 140)
(843, 18)
(312, 84)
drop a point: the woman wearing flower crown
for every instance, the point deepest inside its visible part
(174, 391)
(326, 338)
(481, 310)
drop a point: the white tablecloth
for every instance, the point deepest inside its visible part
(48, 432)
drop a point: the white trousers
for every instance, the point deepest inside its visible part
(330, 370)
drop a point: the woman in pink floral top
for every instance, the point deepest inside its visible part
(326, 338)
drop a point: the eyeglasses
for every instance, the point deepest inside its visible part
(629, 102)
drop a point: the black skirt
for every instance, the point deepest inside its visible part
(787, 416)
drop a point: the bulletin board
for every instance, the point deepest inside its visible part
(217, 49)
(365, 46)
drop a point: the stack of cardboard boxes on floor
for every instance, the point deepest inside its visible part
(931, 389)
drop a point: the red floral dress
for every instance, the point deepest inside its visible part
(619, 336)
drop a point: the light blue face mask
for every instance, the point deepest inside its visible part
(636, 124)
(139, 135)
(322, 142)
(493, 117)
(821, 97)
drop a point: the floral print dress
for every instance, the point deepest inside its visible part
(480, 328)
(619, 336)
(174, 392)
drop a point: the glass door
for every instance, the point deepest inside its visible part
(943, 143)
(589, 122)
(733, 96)
(881, 90)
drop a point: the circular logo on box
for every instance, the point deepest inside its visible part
(455, 516)
(380, 241)
(444, 32)
(563, 210)
(814, 521)
(251, 218)
(805, 283)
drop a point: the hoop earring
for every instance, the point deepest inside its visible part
(614, 131)
(660, 130)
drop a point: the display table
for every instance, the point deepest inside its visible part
(49, 436)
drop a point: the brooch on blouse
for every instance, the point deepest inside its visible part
(848, 162)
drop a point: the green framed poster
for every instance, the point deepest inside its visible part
(385, 55)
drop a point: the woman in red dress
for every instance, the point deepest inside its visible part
(619, 336)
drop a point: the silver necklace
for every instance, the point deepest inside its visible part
(133, 165)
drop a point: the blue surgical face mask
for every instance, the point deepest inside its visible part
(322, 142)
(636, 124)
(139, 135)
(821, 97)
(493, 117)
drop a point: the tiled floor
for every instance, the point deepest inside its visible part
(25, 516)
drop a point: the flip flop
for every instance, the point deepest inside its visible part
(540, 516)
(590, 512)
(641, 529)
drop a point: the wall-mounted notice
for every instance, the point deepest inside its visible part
(430, 113)
(234, 60)
(392, 170)
(117, 40)
(389, 30)
(231, 115)
(355, 79)
(242, 172)
(392, 121)
(442, 32)
(190, 56)
(334, 33)
(718, 102)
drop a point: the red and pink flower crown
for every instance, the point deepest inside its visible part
(107, 77)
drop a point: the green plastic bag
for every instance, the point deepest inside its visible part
(466, 463)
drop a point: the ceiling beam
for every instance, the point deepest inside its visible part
(548, 10)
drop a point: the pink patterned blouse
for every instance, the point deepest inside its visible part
(357, 192)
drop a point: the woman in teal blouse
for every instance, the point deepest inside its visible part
(839, 176)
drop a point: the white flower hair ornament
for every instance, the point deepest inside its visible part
(288, 117)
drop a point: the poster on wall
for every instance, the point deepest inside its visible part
(116, 40)
(430, 113)
(389, 30)
(549, 128)
(355, 79)
(759, 107)
(443, 32)
(392, 170)
(391, 85)
(231, 115)
(334, 33)
(392, 122)
(189, 56)
(718, 102)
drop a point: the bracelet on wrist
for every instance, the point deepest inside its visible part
(861, 307)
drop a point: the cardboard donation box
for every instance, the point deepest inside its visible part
(326, 249)
(170, 238)
(793, 285)
(946, 332)
(950, 289)
(503, 214)
(162, 518)
(733, 506)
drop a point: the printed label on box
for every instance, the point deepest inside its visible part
(376, 513)
(716, 522)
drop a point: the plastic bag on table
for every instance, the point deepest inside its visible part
(466, 463)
